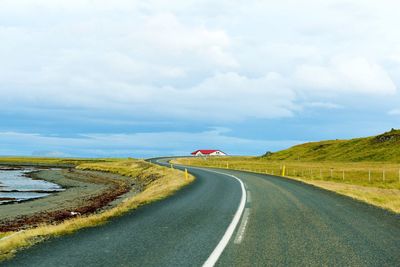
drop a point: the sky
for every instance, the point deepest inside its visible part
(149, 78)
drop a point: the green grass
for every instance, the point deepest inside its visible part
(367, 169)
(381, 148)
(51, 161)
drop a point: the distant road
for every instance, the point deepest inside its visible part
(283, 223)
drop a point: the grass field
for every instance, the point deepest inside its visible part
(371, 161)
(381, 148)
(374, 174)
(158, 183)
(50, 161)
(377, 183)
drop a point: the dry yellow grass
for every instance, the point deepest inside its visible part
(383, 175)
(159, 183)
(50, 161)
(5, 234)
(376, 183)
(386, 198)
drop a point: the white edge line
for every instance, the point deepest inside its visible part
(213, 258)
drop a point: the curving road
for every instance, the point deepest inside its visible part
(283, 223)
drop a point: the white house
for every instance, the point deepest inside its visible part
(208, 152)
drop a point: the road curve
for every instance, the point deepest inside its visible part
(285, 223)
(294, 224)
(182, 230)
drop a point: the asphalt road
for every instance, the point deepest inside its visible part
(293, 224)
(284, 223)
(181, 230)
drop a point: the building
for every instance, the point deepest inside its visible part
(208, 152)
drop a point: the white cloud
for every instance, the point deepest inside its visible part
(200, 62)
(225, 96)
(347, 75)
(136, 47)
(54, 46)
(230, 96)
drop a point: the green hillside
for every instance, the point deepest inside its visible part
(384, 147)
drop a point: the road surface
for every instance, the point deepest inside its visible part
(283, 223)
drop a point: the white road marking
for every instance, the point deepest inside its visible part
(242, 227)
(213, 258)
(248, 196)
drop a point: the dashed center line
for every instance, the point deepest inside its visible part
(242, 227)
(248, 197)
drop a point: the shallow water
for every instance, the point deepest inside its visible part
(16, 187)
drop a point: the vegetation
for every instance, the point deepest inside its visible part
(4, 234)
(32, 161)
(367, 169)
(141, 171)
(372, 174)
(158, 183)
(372, 182)
(381, 148)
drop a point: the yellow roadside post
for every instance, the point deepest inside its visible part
(172, 166)
(186, 174)
(283, 170)
(227, 165)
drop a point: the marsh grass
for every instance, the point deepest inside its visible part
(158, 183)
(376, 183)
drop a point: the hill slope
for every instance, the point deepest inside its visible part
(384, 147)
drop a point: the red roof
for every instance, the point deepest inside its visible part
(204, 151)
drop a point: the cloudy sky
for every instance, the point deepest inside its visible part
(147, 78)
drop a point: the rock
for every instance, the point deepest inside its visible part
(393, 135)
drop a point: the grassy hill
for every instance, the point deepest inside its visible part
(383, 148)
(366, 169)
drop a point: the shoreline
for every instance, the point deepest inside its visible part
(28, 173)
(21, 165)
(83, 192)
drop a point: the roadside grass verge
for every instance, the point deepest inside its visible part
(385, 198)
(158, 182)
(4, 234)
(377, 183)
